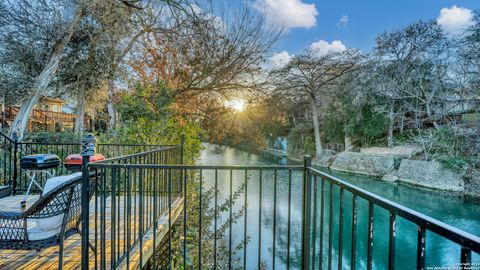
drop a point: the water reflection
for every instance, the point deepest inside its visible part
(441, 205)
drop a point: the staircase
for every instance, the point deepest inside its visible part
(39, 120)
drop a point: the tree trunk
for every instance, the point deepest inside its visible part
(41, 82)
(316, 129)
(348, 143)
(391, 122)
(402, 122)
(112, 112)
(80, 109)
(112, 123)
(430, 115)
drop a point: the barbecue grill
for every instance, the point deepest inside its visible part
(74, 162)
(37, 164)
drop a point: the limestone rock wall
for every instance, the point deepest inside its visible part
(430, 174)
(373, 165)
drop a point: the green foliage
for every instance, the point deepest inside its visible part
(362, 123)
(151, 101)
(53, 137)
(446, 141)
(405, 137)
(471, 117)
(449, 147)
(147, 117)
(301, 140)
(454, 163)
(366, 125)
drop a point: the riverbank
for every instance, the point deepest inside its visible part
(389, 165)
(398, 166)
(444, 206)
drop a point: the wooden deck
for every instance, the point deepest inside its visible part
(48, 258)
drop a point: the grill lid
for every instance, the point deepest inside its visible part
(39, 162)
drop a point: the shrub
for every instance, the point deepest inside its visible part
(301, 140)
(53, 137)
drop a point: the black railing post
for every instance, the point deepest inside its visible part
(306, 212)
(88, 150)
(182, 150)
(15, 165)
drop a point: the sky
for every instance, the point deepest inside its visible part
(325, 25)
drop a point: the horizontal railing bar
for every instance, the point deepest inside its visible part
(106, 161)
(7, 137)
(42, 143)
(102, 164)
(149, 145)
(100, 144)
(449, 232)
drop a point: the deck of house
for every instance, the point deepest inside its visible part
(48, 258)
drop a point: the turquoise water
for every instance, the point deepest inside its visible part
(453, 210)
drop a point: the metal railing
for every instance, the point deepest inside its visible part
(130, 201)
(325, 189)
(11, 152)
(222, 208)
(8, 160)
(62, 150)
(249, 217)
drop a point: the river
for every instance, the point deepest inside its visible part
(451, 209)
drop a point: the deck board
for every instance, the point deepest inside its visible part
(48, 258)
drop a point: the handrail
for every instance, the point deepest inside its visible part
(17, 109)
(7, 137)
(20, 149)
(42, 113)
(51, 116)
(456, 235)
(106, 161)
(102, 164)
(150, 145)
(102, 144)
(299, 176)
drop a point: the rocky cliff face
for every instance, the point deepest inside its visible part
(373, 165)
(430, 174)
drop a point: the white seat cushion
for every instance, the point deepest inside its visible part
(33, 231)
(36, 233)
(47, 227)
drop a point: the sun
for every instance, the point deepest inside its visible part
(236, 104)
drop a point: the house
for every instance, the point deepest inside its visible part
(51, 105)
(50, 114)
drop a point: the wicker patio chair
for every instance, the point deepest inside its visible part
(64, 199)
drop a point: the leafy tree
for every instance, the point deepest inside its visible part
(470, 52)
(354, 111)
(411, 72)
(310, 77)
(38, 33)
(49, 27)
(147, 117)
(207, 59)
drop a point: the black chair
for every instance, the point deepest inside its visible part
(64, 199)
